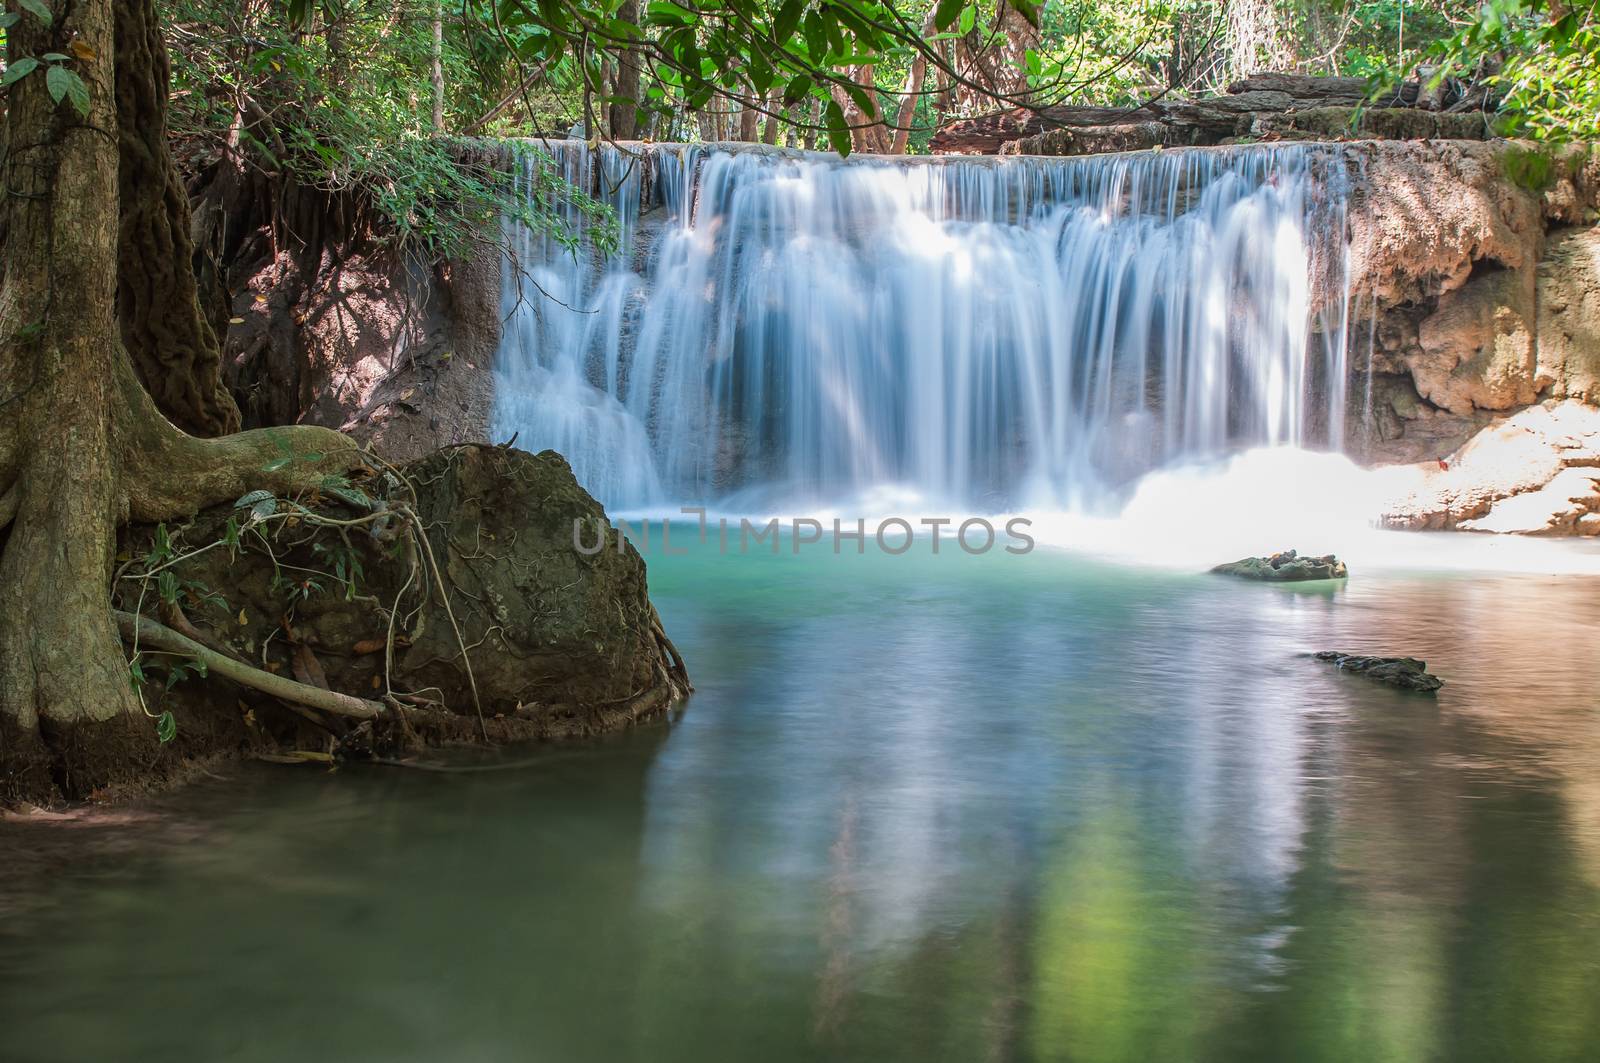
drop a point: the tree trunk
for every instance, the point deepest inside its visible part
(82, 446)
(912, 92)
(772, 127)
(436, 66)
(625, 112)
(171, 342)
(63, 669)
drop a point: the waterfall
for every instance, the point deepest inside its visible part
(777, 328)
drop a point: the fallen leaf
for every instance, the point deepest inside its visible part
(368, 646)
(236, 321)
(377, 682)
(242, 620)
(307, 668)
(82, 49)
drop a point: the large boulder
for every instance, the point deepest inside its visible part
(499, 627)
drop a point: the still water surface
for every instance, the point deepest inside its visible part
(954, 808)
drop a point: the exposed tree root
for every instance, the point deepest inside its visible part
(144, 632)
(170, 474)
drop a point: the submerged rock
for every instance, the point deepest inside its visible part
(1286, 567)
(1407, 673)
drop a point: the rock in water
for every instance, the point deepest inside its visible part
(1287, 567)
(1407, 673)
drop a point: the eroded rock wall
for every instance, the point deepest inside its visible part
(1476, 268)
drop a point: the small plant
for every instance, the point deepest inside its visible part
(60, 80)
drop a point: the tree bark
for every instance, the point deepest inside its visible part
(59, 655)
(171, 342)
(625, 112)
(913, 92)
(436, 66)
(82, 445)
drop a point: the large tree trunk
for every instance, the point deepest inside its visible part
(172, 344)
(62, 672)
(82, 446)
(625, 112)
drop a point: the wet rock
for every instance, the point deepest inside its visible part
(1406, 673)
(1286, 567)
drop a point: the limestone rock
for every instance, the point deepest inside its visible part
(1285, 567)
(1568, 283)
(1425, 214)
(1477, 350)
(1534, 473)
(1406, 673)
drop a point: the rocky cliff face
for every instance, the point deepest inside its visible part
(1476, 267)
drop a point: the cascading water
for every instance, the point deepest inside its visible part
(778, 328)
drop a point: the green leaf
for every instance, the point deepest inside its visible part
(77, 93)
(9, 19)
(838, 129)
(19, 70)
(798, 90)
(37, 9)
(666, 13)
(166, 727)
(347, 492)
(263, 509)
(788, 19)
(1028, 9)
(968, 19)
(55, 80)
(945, 14)
(760, 74)
(252, 498)
(160, 547)
(858, 95)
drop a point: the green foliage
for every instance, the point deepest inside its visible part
(1544, 60)
(335, 96)
(61, 81)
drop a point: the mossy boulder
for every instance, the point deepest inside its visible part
(1285, 567)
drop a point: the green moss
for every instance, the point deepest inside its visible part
(1532, 169)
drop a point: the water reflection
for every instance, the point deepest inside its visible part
(959, 808)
